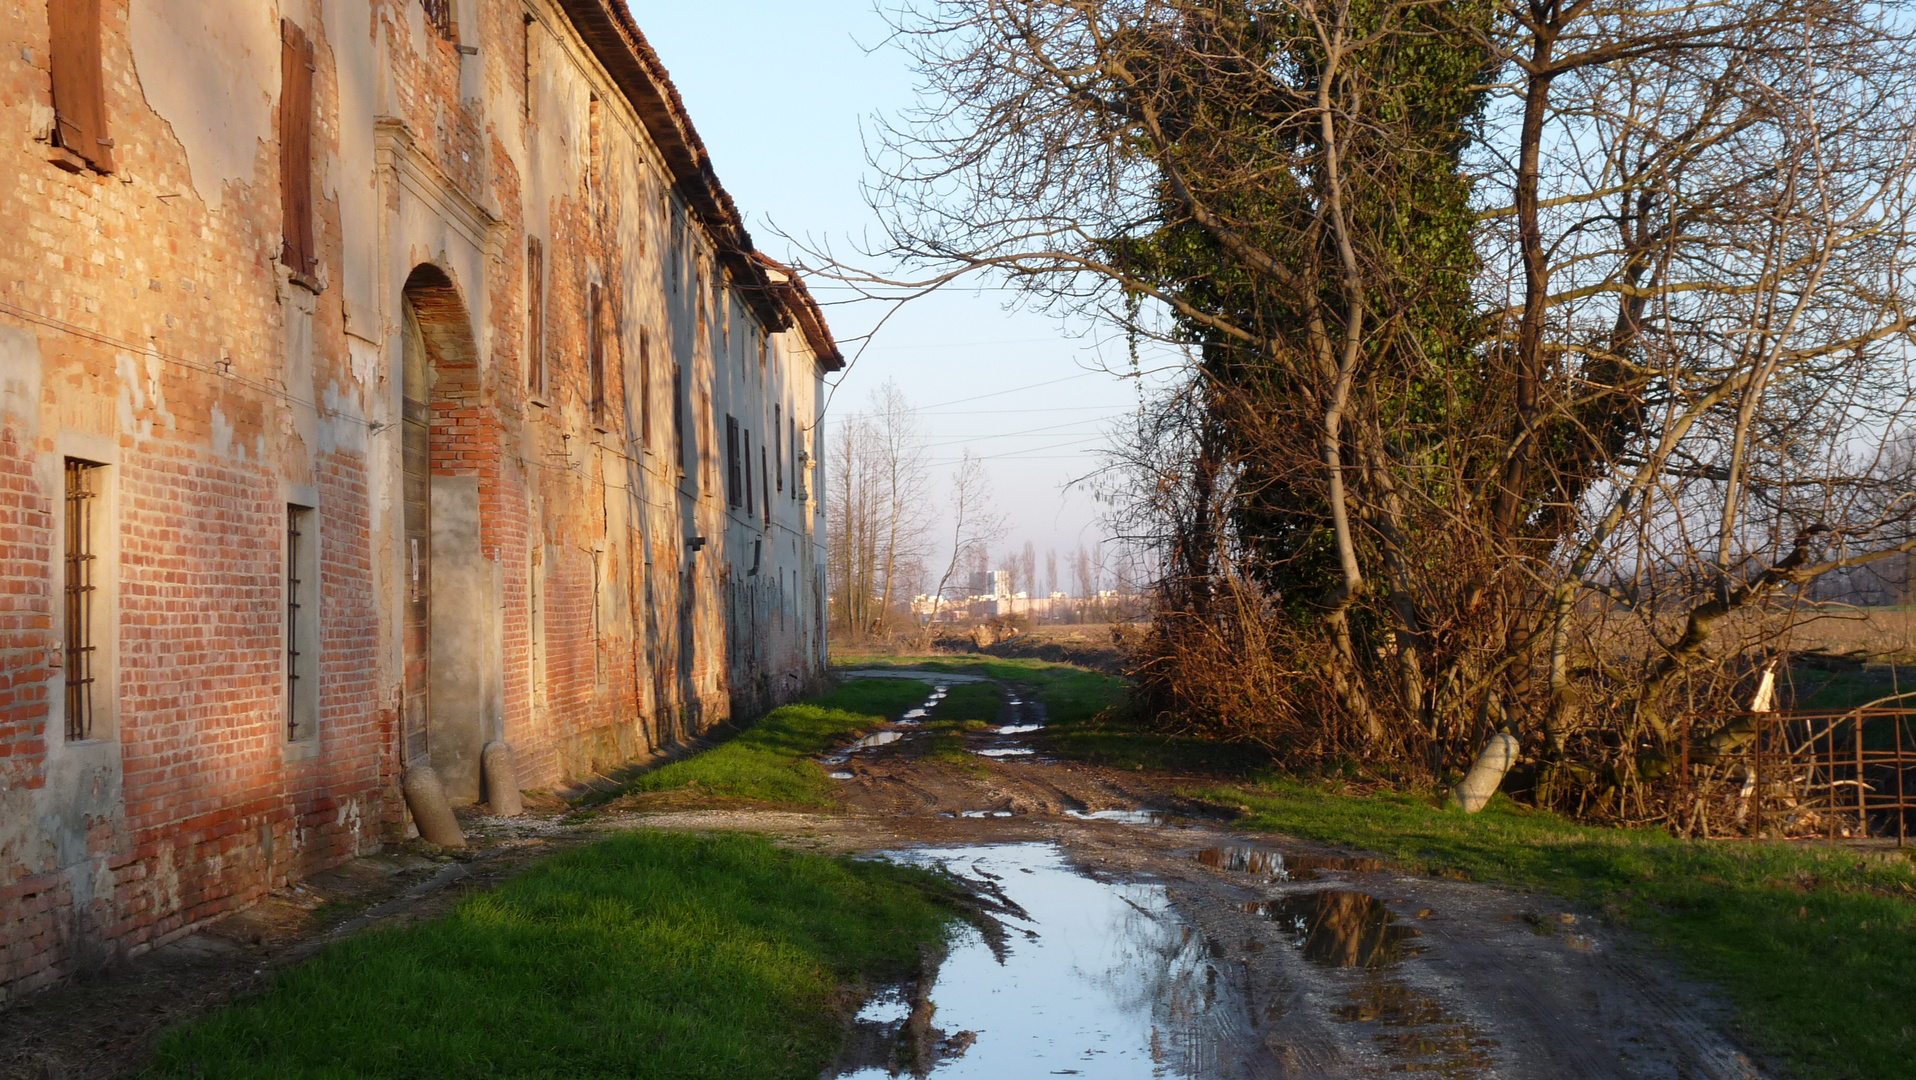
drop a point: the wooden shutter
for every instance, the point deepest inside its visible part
(296, 148)
(79, 85)
(678, 415)
(732, 493)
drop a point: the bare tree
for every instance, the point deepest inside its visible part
(903, 463)
(877, 511)
(1028, 569)
(1535, 347)
(974, 527)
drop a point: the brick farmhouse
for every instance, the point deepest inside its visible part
(380, 381)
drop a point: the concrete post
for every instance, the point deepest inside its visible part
(426, 798)
(1499, 754)
(502, 780)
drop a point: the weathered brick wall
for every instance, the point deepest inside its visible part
(146, 324)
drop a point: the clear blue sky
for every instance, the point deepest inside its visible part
(778, 92)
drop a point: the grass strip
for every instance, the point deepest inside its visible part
(646, 955)
(1816, 947)
(1085, 718)
(967, 707)
(771, 760)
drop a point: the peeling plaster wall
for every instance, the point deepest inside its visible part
(146, 324)
(210, 69)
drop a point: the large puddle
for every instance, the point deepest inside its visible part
(1093, 979)
(1341, 928)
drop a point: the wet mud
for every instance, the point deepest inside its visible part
(1152, 940)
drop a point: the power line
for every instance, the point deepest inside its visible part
(1011, 434)
(223, 370)
(990, 412)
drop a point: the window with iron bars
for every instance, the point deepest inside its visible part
(302, 626)
(439, 14)
(82, 596)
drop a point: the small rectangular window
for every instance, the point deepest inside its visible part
(535, 317)
(525, 71)
(778, 446)
(79, 84)
(792, 422)
(698, 291)
(595, 352)
(82, 595)
(439, 14)
(598, 618)
(678, 415)
(746, 463)
(734, 494)
(594, 148)
(296, 68)
(302, 623)
(765, 483)
(645, 389)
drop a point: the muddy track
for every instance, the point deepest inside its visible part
(1270, 958)
(1316, 963)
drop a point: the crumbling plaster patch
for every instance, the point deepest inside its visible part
(210, 69)
(20, 380)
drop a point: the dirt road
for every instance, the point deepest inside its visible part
(1137, 937)
(1308, 962)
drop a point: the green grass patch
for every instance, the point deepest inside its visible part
(771, 761)
(948, 747)
(647, 955)
(1087, 718)
(1816, 947)
(969, 703)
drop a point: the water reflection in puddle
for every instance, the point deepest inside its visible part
(1104, 981)
(1005, 751)
(1018, 729)
(878, 738)
(986, 813)
(1278, 866)
(1122, 817)
(1341, 928)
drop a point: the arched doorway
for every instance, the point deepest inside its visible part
(451, 624)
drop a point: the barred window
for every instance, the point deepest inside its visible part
(302, 623)
(82, 595)
(535, 317)
(439, 14)
(595, 352)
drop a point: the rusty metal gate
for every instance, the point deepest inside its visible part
(1842, 774)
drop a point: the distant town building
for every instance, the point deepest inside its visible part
(996, 583)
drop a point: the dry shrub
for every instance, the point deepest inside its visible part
(1238, 673)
